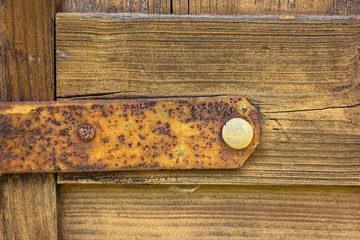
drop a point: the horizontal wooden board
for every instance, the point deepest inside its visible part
(301, 73)
(209, 212)
(283, 65)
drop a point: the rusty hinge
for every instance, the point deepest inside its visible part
(181, 133)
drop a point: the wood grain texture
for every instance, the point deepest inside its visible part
(27, 206)
(284, 65)
(210, 212)
(271, 7)
(26, 43)
(301, 73)
(180, 7)
(215, 7)
(115, 6)
(27, 202)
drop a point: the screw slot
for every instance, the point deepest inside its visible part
(86, 132)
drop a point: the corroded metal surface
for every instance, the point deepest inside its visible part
(122, 134)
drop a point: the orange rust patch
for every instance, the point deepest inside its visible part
(129, 134)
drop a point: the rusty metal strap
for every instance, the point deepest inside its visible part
(122, 134)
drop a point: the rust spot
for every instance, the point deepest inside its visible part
(86, 132)
(121, 138)
(27, 123)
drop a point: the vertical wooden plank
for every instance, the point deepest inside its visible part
(27, 201)
(115, 6)
(180, 7)
(27, 71)
(213, 7)
(27, 206)
(276, 7)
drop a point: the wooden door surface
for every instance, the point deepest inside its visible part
(296, 61)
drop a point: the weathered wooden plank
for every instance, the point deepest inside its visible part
(215, 7)
(283, 65)
(28, 206)
(301, 73)
(115, 6)
(26, 50)
(271, 7)
(180, 7)
(27, 202)
(210, 212)
(140, 134)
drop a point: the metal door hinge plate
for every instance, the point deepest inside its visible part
(181, 133)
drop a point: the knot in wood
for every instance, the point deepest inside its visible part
(86, 132)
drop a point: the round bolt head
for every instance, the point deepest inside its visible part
(86, 132)
(237, 133)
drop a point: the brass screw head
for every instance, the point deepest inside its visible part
(86, 132)
(237, 133)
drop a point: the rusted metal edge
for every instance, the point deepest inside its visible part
(75, 136)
